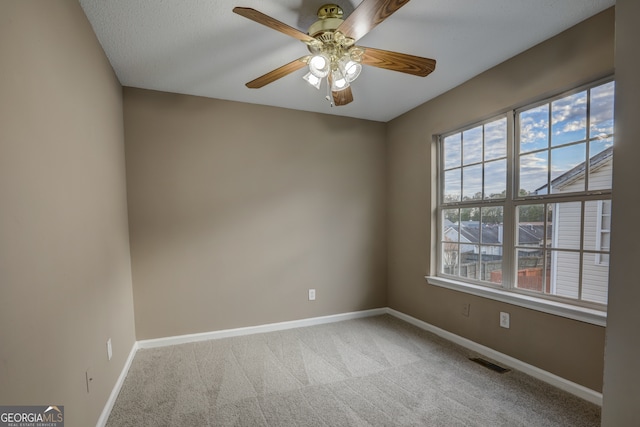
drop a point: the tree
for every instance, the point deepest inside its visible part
(531, 213)
(449, 256)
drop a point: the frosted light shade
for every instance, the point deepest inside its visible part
(313, 80)
(338, 81)
(352, 70)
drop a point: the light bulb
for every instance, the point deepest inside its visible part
(319, 65)
(318, 61)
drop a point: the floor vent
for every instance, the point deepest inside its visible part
(487, 364)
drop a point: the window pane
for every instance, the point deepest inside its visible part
(565, 225)
(605, 225)
(533, 173)
(470, 261)
(472, 146)
(530, 226)
(591, 224)
(452, 183)
(492, 264)
(450, 219)
(470, 231)
(493, 217)
(472, 182)
(495, 179)
(597, 146)
(602, 110)
(495, 139)
(530, 266)
(534, 129)
(452, 151)
(565, 274)
(450, 258)
(469, 214)
(569, 119)
(597, 225)
(469, 223)
(567, 168)
(492, 237)
(601, 164)
(595, 279)
(605, 242)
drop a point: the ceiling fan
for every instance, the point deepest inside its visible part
(334, 56)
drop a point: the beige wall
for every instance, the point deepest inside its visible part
(622, 376)
(568, 348)
(236, 210)
(65, 277)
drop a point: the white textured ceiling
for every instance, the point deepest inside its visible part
(200, 47)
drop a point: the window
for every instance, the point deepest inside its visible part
(525, 199)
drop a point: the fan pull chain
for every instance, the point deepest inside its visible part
(329, 97)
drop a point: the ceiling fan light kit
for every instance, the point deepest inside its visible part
(334, 54)
(313, 80)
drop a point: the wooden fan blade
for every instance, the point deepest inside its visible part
(272, 23)
(342, 97)
(278, 73)
(367, 15)
(395, 61)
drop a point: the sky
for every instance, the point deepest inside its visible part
(552, 136)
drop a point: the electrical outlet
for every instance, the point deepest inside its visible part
(312, 294)
(465, 309)
(504, 319)
(109, 349)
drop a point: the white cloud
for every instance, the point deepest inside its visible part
(572, 126)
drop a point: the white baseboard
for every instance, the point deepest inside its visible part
(182, 339)
(106, 411)
(556, 381)
(269, 327)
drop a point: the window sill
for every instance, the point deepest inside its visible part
(582, 314)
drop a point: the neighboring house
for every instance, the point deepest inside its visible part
(480, 245)
(565, 265)
(486, 240)
(468, 234)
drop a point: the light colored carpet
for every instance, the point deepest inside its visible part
(376, 371)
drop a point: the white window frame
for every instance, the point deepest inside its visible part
(507, 292)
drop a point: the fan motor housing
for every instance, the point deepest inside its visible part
(329, 19)
(330, 11)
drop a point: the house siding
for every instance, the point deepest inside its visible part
(565, 271)
(600, 178)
